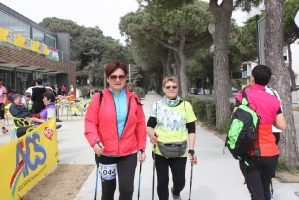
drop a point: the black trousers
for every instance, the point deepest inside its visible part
(125, 166)
(259, 174)
(178, 168)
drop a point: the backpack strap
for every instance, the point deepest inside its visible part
(272, 90)
(138, 103)
(101, 97)
(244, 99)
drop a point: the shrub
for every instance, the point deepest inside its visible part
(211, 113)
(84, 91)
(283, 166)
(139, 91)
(224, 127)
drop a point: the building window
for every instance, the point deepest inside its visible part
(38, 35)
(50, 41)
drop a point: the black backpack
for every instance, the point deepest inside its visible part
(243, 131)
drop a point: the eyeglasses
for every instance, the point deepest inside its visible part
(173, 87)
(120, 77)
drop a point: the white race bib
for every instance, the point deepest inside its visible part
(107, 172)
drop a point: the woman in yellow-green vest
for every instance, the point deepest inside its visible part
(171, 127)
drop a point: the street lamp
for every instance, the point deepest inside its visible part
(211, 29)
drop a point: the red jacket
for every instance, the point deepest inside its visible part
(101, 125)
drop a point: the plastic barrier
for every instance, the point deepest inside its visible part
(195, 90)
(27, 159)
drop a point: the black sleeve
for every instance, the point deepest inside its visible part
(152, 122)
(237, 103)
(191, 127)
(279, 111)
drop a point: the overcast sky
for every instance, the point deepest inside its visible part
(90, 13)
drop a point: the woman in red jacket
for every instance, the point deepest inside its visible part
(115, 129)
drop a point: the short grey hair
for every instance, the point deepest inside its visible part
(15, 96)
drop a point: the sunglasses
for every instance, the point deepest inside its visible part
(173, 87)
(120, 77)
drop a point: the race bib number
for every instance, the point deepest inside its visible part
(107, 172)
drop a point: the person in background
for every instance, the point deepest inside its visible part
(72, 92)
(32, 85)
(63, 90)
(48, 87)
(172, 123)
(37, 96)
(18, 109)
(91, 93)
(258, 170)
(54, 88)
(115, 129)
(49, 102)
(26, 100)
(2, 106)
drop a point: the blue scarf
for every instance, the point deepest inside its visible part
(171, 103)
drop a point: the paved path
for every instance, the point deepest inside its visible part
(216, 177)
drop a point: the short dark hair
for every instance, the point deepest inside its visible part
(114, 65)
(39, 81)
(261, 74)
(50, 96)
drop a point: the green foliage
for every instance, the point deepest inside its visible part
(291, 31)
(224, 127)
(84, 91)
(283, 166)
(211, 113)
(139, 91)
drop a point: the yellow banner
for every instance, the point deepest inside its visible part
(39, 47)
(23, 42)
(7, 36)
(27, 159)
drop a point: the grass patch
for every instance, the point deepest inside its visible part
(283, 166)
(296, 109)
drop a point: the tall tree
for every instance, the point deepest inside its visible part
(177, 30)
(280, 78)
(291, 33)
(222, 14)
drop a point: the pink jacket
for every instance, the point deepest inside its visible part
(266, 106)
(101, 125)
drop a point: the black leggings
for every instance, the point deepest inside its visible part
(259, 174)
(125, 166)
(178, 168)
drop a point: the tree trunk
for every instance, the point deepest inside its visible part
(222, 16)
(90, 78)
(280, 78)
(183, 77)
(169, 62)
(289, 67)
(203, 85)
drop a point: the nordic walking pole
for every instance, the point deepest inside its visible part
(96, 188)
(154, 164)
(139, 177)
(139, 182)
(97, 175)
(192, 152)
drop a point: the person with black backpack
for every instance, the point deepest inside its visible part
(259, 165)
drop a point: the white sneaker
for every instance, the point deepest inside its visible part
(175, 197)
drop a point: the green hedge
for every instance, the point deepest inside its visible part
(205, 111)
